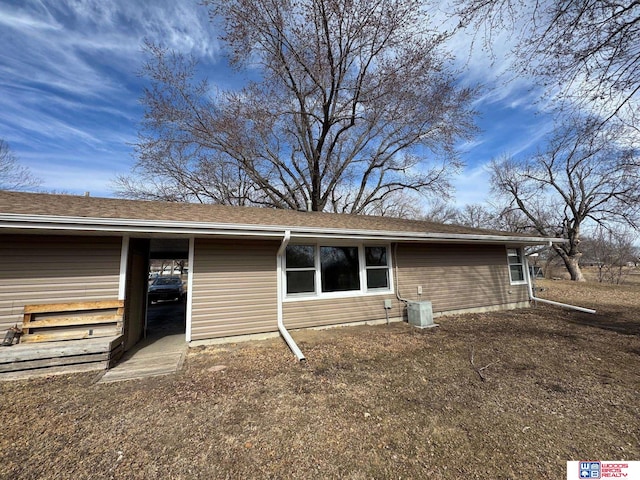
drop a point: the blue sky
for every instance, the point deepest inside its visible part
(69, 88)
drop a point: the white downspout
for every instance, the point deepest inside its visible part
(283, 331)
(395, 269)
(189, 308)
(550, 302)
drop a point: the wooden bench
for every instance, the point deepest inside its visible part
(72, 321)
(66, 338)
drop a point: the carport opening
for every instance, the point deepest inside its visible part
(167, 288)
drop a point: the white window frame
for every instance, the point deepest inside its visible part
(387, 267)
(318, 294)
(521, 263)
(301, 269)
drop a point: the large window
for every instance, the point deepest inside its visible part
(330, 269)
(516, 265)
(340, 269)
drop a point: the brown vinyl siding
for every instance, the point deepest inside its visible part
(455, 277)
(234, 288)
(55, 269)
(321, 312)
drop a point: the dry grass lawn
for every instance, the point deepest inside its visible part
(371, 402)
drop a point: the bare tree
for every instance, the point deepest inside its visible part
(583, 175)
(398, 204)
(477, 216)
(14, 176)
(611, 251)
(355, 103)
(588, 51)
(494, 217)
(440, 211)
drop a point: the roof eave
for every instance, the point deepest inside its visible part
(172, 227)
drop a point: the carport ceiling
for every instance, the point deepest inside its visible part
(165, 248)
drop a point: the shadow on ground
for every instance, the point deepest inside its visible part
(608, 321)
(166, 318)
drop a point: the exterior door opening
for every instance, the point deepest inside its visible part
(167, 288)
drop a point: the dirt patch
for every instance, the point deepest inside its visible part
(371, 402)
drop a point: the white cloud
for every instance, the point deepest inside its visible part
(69, 41)
(470, 145)
(69, 85)
(472, 186)
(86, 169)
(21, 20)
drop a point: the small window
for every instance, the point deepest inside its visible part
(340, 269)
(301, 269)
(516, 266)
(377, 267)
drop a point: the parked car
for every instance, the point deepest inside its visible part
(166, 289)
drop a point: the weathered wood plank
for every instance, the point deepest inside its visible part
(115, 355)
(75, 320)
(35, 351)
(70, 307)
(117, 342)
(92, 325)
(70, 335)
(54, 362)
(58, 370)
(26, 320)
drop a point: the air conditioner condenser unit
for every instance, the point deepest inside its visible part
(420, 314)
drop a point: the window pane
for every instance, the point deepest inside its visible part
(514, 261)
(517, 275)
(300, 256)
(340, 269)
(377, 278)
(514, 256)
(301, 282)
(376, 256)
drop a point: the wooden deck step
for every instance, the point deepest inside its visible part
(36, 359)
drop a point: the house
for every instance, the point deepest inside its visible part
(250, 270)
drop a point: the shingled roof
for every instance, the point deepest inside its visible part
(32, 207)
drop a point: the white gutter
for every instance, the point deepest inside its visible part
(550, 302)
(283, 331)
(124, 225)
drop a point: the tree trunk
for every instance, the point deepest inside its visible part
(571, 262)
(574, 268)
